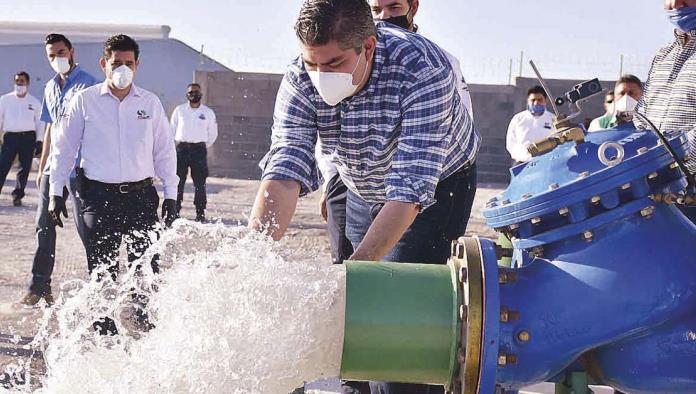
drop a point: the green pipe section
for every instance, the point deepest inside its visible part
(401, 323)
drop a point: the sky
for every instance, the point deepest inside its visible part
(567, 39)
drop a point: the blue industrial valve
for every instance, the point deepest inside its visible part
(603, 277)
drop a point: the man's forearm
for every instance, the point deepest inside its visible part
(387, 229)
(274, 207)
(45, 149)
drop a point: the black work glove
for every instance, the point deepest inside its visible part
(38, 147)
(56, 207)
(168, 212)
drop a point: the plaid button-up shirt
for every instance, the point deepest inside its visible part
(669, 97)
(393, 141)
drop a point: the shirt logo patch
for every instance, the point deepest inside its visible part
(201, 116)
(547, 126)
(31, 107)
(143, 115)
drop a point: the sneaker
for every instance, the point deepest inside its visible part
(200, 218)
(17, 202)
(31, 299)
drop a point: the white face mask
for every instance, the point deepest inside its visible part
(122, 77)
(61, 65)
(20, 90)
(335, 87)
(625, 107)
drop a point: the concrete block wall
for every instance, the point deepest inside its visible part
(495, 105)
(244, 105)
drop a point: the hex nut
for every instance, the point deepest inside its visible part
(524, 336)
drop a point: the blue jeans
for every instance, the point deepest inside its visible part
(45, 255)
(336, 196)
(427, 241)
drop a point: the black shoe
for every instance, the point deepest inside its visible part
(142, 321)
(17, 202)
(31, 298)
(200, 216)
(105, 326)
(140, 316)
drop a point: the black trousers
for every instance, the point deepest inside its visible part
(110, 218)
(195, 157)
(22, 145)
(336, 195)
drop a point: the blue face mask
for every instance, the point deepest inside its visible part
(683, 18)
(536, 109)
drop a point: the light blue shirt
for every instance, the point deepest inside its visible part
(56, 98)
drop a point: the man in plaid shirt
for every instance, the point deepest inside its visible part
(670, 91)
(384, 103)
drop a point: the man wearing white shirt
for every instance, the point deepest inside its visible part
(126, 141)
(20, 121)
(529, 126)
(195, 130)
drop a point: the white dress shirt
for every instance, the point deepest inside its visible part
(20, 114)
(325, 163)
(194, 125)
(526, 129)
(122, 141)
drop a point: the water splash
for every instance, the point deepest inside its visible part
(230, 315)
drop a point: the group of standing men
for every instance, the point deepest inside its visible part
(381, 110)
(104, 143)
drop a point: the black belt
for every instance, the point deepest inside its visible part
(466, 167)
(121, 188)
(20, 132)
(191, 144)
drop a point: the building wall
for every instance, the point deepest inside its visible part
(244, 104)
(166, 67)
(14, 33)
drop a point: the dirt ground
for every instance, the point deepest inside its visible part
(229, 201)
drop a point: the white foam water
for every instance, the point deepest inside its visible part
(230, 315)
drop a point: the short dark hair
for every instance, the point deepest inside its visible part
(55, 37)
(537, 90)
(630, 78)
(121, 42)
(193, 84)
(349, 22)
(23, 74)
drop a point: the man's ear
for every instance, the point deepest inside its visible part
(102, 63)
(370, 44)
(414, 8)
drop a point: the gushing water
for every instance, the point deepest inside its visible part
(230, 316)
